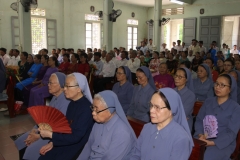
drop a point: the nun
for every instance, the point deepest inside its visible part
(30, 143)
(203, 85)
(112, 137)
(167, 136)
(2, 79)
(217, 122)
(139, 106)
(184, 87)
(236, 75)
(124, 87)
(79, 116)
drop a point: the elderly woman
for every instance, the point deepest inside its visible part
(68, 146)
(219, 115)
(167, 136)
(124, 87)
(38, 93)
(30, 143)
(203, 85)
(112, 124)
(163, 79)
(142, 94)
(184, 87)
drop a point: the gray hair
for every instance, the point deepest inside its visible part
(72, 75)
(111, 54)
(54, 74)
(99, 97)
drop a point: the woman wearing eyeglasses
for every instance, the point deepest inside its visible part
(167, 136)
(184, 87)
(124, 87)
(142, 94)
(217, 122)
(203, 85)
(69, 146)
(112, 137)
(228, 65)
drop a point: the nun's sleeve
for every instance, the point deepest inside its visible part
(189, 103)
(210, 92)
(227, 136)
(181, 149)
(132, 104)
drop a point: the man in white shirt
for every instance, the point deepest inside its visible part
(184, 47)
(4, 56)
(150, 46)
(163, 48)
(98, 62)
(202, 48)
(194, 47)
(14, 59)
(106, 75)
(123, 60)
(118, 54)
(190, 55)
(234, 50)
(143, 48)
(224, 50)
(178, 47)
(133, 63)
(90, 56)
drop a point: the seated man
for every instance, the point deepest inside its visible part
(133, 63)
(106, 75)
(14, 59)
(30, 143)
(123, 60)
(98, 62)
(104, 141)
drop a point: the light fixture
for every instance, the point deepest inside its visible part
(176, 1)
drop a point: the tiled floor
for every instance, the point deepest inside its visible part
(9, 127)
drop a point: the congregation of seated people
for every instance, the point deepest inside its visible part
(98, 91)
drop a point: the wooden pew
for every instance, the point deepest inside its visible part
(10, 92)
(236, 152)
(197, 151)
(196, 108)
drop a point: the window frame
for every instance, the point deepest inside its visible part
(132, 43)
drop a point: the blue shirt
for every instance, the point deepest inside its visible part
(139, 106)
(188, 100)
(99, 66)
(203, 90)
(170, 143)
(109, 141)
(124, 93)
(227, 115)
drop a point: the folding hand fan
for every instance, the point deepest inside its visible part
(50, 118)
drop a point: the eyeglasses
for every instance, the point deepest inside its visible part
(67, 87)
(93, 108)
(179, 77)
(156, 107)
(220, 85)
(119, 73)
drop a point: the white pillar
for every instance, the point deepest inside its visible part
(25, 30)
(107, 25)
(157, 28)
(235, 31)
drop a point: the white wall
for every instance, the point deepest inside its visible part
(70, 16)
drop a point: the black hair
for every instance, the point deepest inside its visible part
(185, 73)
(230, 60)
(25, 54)
(156, 53)
(163, 97)
(17, 50)
(66, 55)
(45, 57)
(201, 42)
(38, 56)
(228, 77)
(45, 50)
(187, 64)
(98, 54)
(55, 60)
(210, 60)
(85, 56)
(126, 53)
(3, 49)
(123, 69)
(76, 56)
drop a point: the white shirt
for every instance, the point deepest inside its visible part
(60, 58)
(178, 48)
(133, 66)
(121, 63)
(190, 58)
(108, 70)
(144, 49)
(203, 49)
(184, 48)
(225, 52)
(233, 51)
(163, 49)
(99, 66)
(13, 61)
(150, 46)
(103, 59)
(5, 59)
(90, 62)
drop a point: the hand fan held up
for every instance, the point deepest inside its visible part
(50, 118)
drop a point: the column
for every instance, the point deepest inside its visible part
(107, 25)
(157, 28)
(25, 43)
(235, 32)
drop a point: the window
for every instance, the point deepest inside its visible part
(39, 39)
(93, 35)
(172, 11)
(132, 37)
(91, 17)
(132, 22)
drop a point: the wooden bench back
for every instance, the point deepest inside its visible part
(197, 107)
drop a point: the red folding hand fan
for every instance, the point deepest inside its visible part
(50, 118)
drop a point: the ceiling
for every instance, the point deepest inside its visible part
(146, 3)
